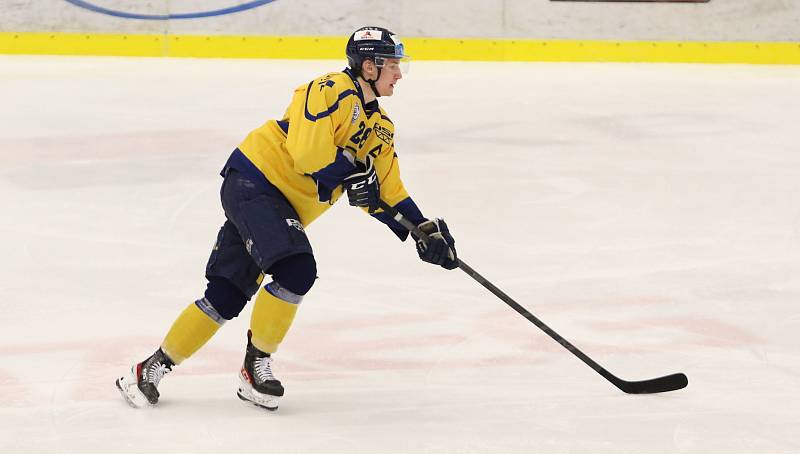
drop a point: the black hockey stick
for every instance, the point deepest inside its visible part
(655, 385)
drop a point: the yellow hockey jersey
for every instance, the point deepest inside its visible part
(308, 153)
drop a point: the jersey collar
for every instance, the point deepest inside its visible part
(373, 106)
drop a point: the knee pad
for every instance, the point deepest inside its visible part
(295, 273)
(224, 297)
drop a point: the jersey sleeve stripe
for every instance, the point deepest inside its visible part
(331, 109)
(407, 208)
(332, 175)
(284, 125)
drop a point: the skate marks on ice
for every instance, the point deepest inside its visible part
(105, 160)
(671, 198)
(493, 339)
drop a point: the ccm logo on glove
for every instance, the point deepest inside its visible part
(362, 186)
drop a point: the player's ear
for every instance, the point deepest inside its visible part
(368, 69)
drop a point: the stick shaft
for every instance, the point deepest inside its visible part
(661, 384)
(496, 291)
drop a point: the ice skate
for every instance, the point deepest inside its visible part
(139, 387)
(257, 383)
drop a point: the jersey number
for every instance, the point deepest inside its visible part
(360, 137)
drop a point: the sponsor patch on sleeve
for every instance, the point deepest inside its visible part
(384, 134)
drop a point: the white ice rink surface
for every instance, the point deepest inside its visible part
(648, 213)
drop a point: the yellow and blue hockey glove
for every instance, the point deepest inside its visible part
(440, 249)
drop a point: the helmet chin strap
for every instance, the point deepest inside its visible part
(372, 84)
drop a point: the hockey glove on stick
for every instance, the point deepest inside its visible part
(362, 186)
(440, 248)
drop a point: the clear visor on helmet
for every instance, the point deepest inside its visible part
(399, 61)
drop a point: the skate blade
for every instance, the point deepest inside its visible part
(252, 402)
(248, 394)
(131, 393)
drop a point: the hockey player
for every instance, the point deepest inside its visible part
(333, 138)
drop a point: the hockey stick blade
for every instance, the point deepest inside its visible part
(663, 384)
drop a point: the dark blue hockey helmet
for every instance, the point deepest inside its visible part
(376, 44)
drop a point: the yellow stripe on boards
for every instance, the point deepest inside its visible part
(83, 44)
(327, 47)
(295, 47)
(603, 51)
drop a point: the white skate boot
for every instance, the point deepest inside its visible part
(140, 386)
(257, 383)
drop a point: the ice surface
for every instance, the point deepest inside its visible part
(648, 213)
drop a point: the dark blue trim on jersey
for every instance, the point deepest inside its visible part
(372, 107)
(331, 109)
(239, 162)
(375, 109)
(359, 92)
(125, 15)
(407, 208)
(284, 125)
(331, 176)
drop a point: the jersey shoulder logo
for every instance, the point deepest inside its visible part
(325, 82)
(356, 112)
(385, 134)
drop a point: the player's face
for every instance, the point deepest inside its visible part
(390, 74)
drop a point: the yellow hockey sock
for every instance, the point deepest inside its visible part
(190, 331)
(271, 319)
